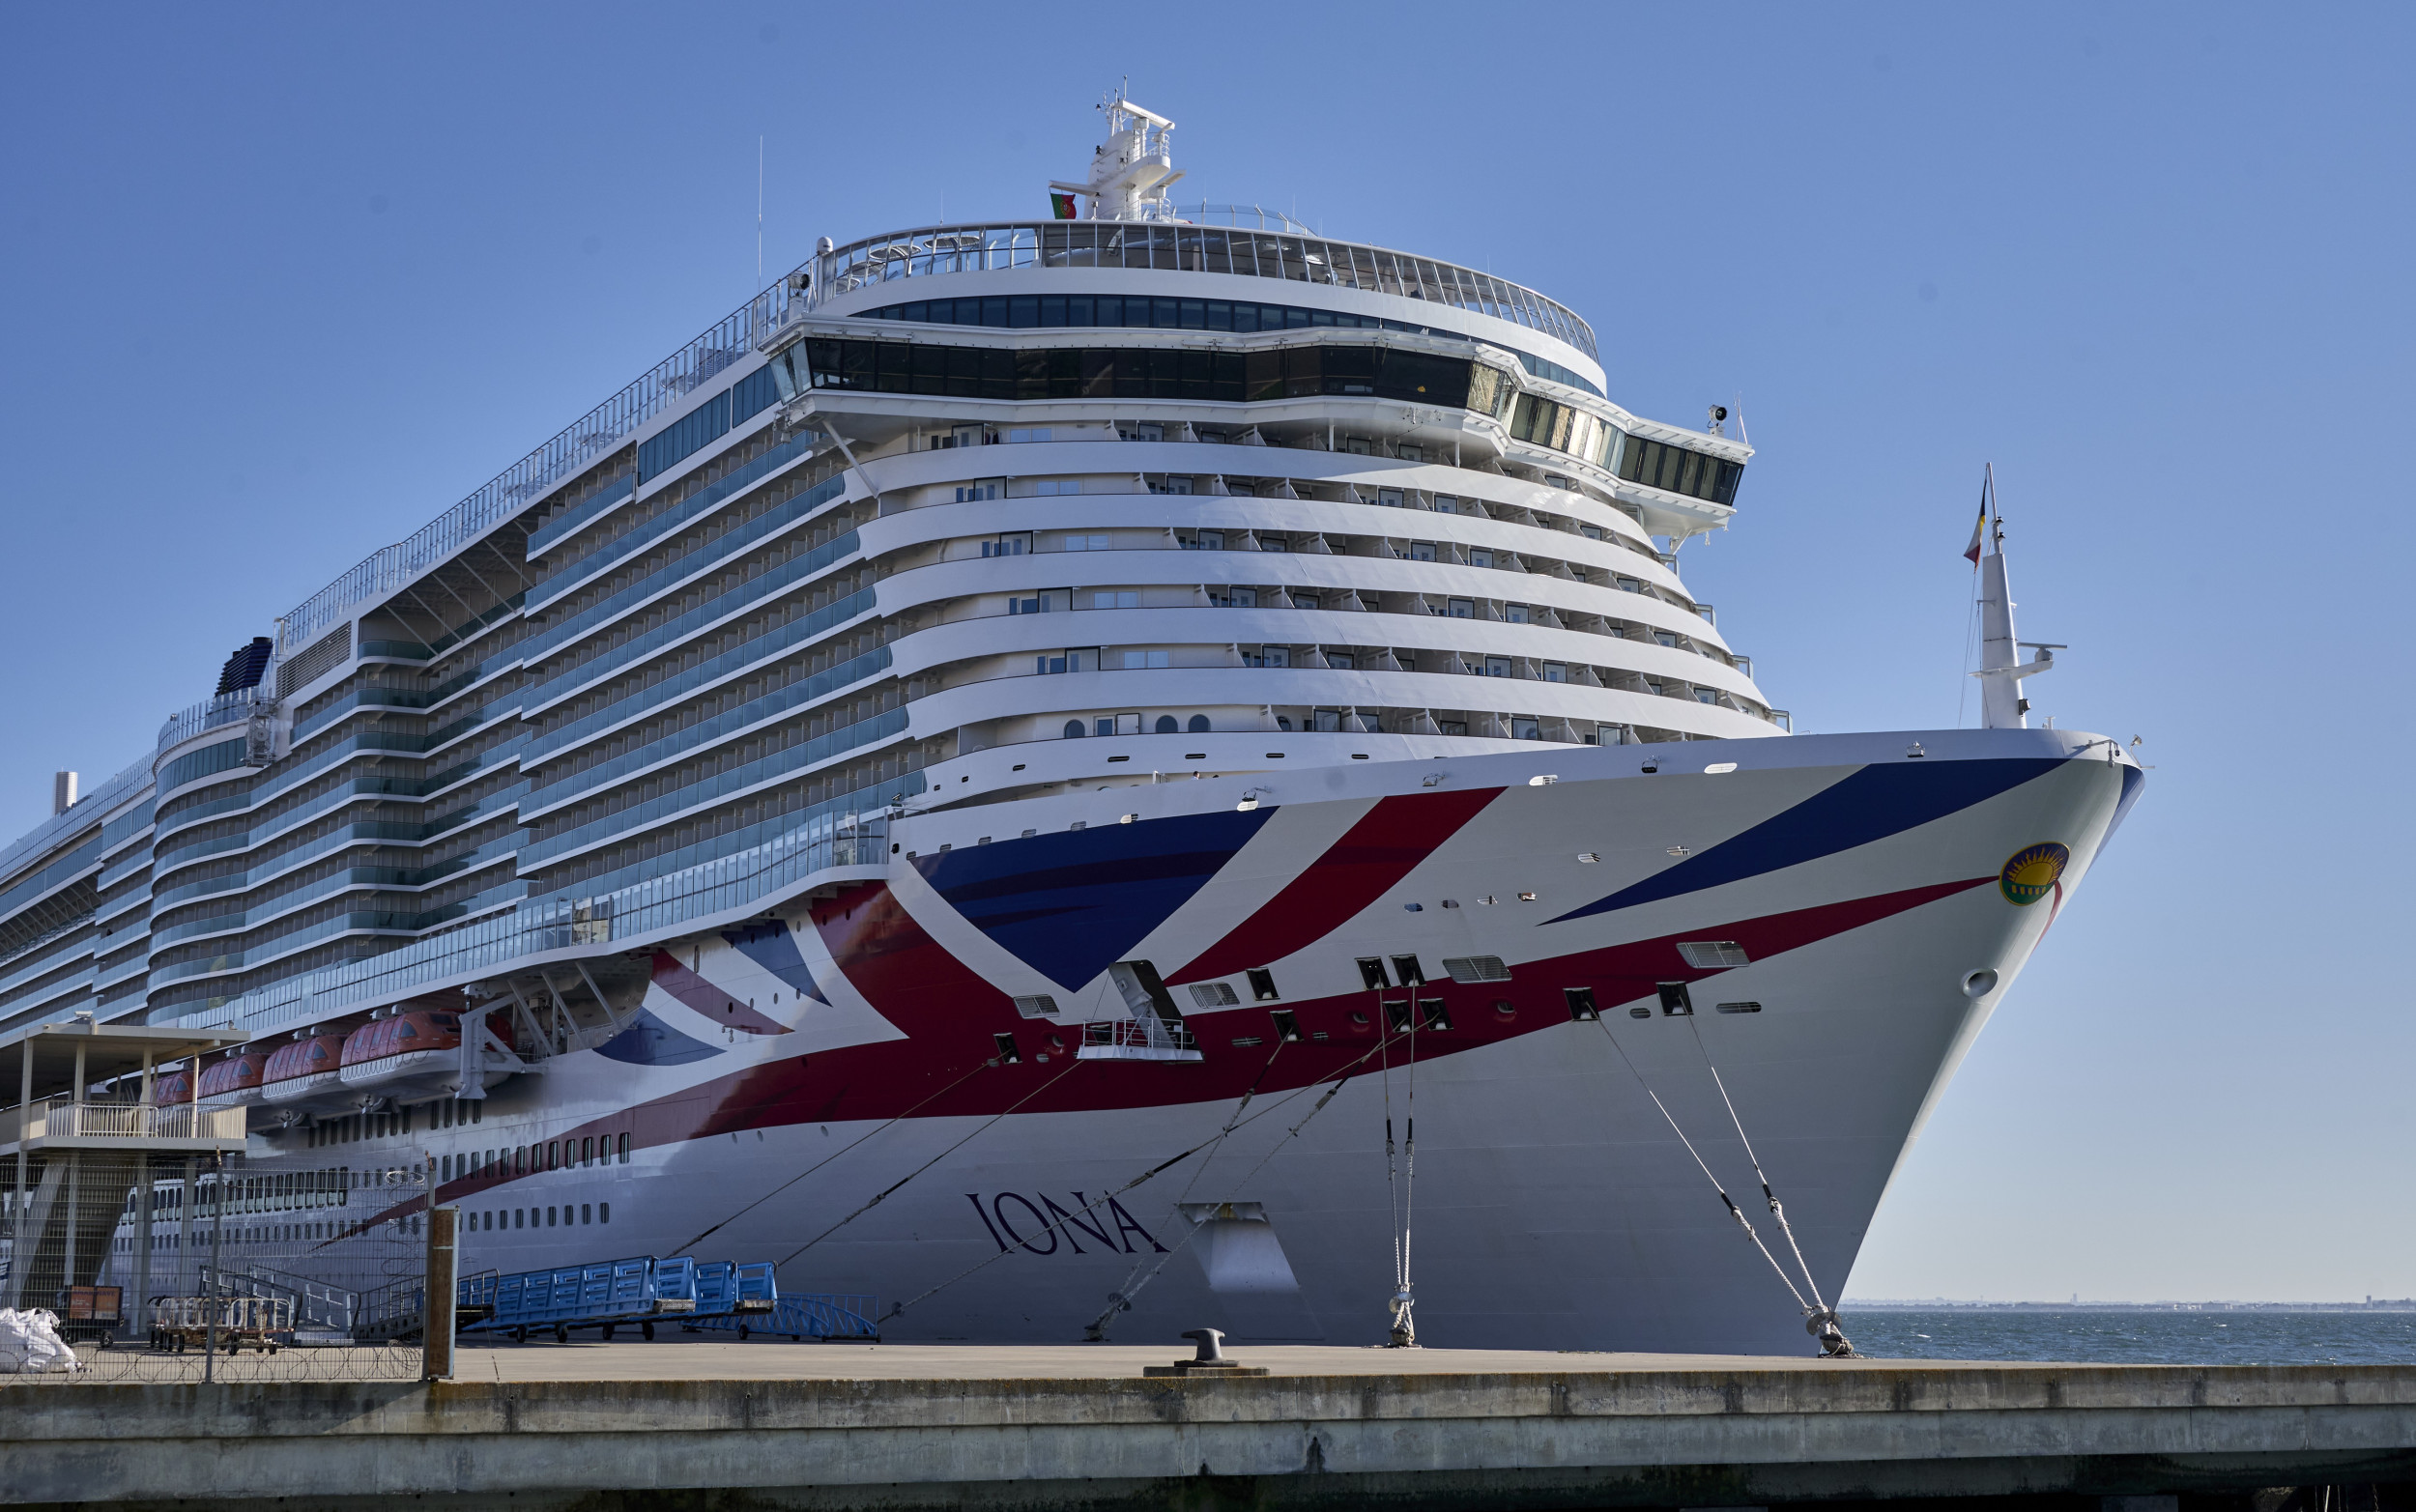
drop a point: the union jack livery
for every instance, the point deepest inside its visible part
(1137, 770)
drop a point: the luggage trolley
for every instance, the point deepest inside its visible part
(262, 1322)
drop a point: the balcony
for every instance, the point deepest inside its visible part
(63, 1124)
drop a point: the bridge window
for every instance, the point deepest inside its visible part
(1675, 470)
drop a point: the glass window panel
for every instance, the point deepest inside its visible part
(997, 373)
(1300, 372)
(1219, 315)
(1194, 315)
(1052, 310)
(1031, 372)
(1165, 374)
(1024, 311)
(995, 312)
(1081, 309)
(1064, 373)
(1165, 314)
(1110, 310)
(965, 372)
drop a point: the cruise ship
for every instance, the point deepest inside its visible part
(1092, 776)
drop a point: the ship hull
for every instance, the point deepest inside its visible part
(828, 1087)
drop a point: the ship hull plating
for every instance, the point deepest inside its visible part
(780, 1074)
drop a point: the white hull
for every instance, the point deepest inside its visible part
(1553, 1206)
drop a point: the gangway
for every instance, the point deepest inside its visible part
(641, 1290)
(605, 1296)
(800, 1316)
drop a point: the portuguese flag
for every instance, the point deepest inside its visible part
(1062, 204)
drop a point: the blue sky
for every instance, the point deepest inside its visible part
(281, 284)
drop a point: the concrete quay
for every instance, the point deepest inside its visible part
(837, 1427)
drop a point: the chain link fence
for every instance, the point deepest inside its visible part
(169, 1269)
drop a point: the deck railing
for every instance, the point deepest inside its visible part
(710, 888)
(61, 1117)
(930, 251)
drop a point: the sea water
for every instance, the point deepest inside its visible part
(2134, 1336)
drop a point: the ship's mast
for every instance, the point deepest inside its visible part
(2002, 670)
(1130, 171)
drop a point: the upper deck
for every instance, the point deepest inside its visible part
(873, 271)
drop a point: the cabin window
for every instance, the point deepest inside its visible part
(625, 1149)
(603, 1213)
(587, 1152)
(587, 1214)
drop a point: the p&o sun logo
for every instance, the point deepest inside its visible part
(2032, 873)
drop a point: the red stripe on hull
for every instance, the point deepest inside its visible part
(1371, 856)
(949, 1015)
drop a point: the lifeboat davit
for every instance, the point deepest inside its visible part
(303, 1072)
(415, 1052)
(235, 1079)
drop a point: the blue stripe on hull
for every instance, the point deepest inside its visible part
(1071, 904)
(1867, 805)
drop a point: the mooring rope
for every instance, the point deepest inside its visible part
(885, 1192)
(1777, 1211)
(835, 1154)
(1734, 1210)
(1820, 1320)
(1095, 1331)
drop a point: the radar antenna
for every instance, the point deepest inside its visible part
(1130, 172)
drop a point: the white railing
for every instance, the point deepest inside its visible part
(60, 1119)
(702, 890)
(227, 708)
(1284, 254)
(1146, 1038)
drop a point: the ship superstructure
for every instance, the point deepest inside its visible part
(1118, 652)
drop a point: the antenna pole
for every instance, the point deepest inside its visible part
(759, 215)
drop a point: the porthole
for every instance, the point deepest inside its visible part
(1980, 984)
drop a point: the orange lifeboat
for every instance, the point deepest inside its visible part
(235, 1079)
(305, 1071)
(173, 1089)
(413, 1053)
